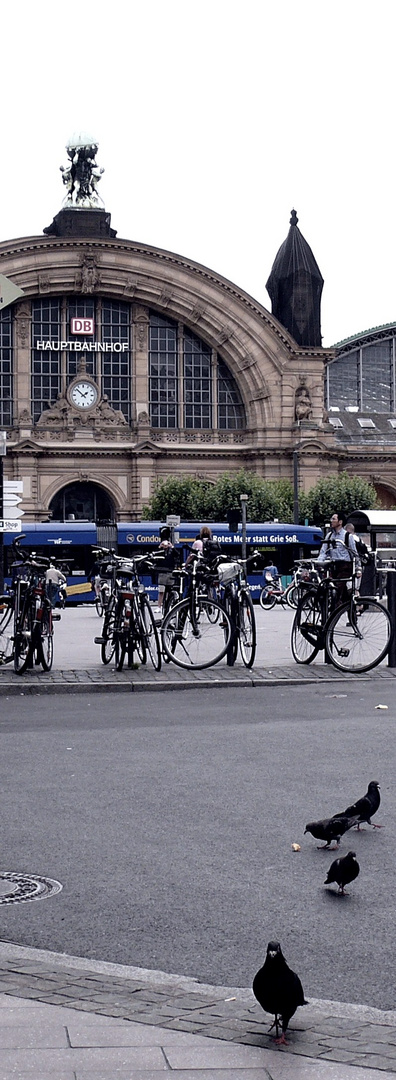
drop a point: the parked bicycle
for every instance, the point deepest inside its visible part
(273, 593)
(102, 585)
(305, 574)
(237, 601)
(355, 634)
(37, 583)
(129, 626)
(197, 631)
(6, 634)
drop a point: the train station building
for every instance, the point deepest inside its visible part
(122, 364)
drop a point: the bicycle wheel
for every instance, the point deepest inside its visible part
(230, 604)
(108, 635)
(247, 630)
(6, 636)
(358, 635)
(150, 634)
(213, 613)
(121, 646)
(197, 643)
(99, 605)
(23, 640)
(46, 646)
(292, 595)
(6, 611)
(306, 634)
(267, 600)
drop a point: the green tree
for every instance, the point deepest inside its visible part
(177, 495)
(199, 500)
(337, 492)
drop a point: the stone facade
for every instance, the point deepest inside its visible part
(281, 385)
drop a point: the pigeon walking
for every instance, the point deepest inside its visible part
(365, 807)
(342, 871)
(278, 989)
(330, 829)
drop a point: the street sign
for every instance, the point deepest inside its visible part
(8, 291)
(10, 526)
(12, 495)
(173, 520)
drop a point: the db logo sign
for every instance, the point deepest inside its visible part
(82, 326)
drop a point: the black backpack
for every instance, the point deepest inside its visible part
(361, 548)
(211, 549)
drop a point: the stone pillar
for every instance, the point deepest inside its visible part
(140, 393)
(22, 366)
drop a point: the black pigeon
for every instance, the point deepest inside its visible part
(278, 989)
(342, 871)
(367, 806)
(330, 829)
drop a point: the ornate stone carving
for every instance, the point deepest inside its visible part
(225, 334)
(87, 279)
(165, 298)
(303, 404)
(57, 414)
(44, 283)
(141, 324)
(130, 286)
(61, 415)
(197, 312)
(25, 418)
(22, 323)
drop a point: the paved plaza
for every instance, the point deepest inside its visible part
(70, 1018)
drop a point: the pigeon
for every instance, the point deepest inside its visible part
(365, 807)
(278, 989)
(331, 828)
(342, 871)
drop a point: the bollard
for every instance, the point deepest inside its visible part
(391, 593)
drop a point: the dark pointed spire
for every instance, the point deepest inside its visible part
(295, 286)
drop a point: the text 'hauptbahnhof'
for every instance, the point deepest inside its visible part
(123, 364)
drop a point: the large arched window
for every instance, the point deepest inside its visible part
(190, 386)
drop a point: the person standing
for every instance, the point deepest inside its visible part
(340, 552)
(165, 575)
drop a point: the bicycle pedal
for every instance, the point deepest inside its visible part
(343, 652)
(56, 616)
(99, 640)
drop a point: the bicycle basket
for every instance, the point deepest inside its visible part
(227, 571)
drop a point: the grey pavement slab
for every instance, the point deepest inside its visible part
(67, 1017)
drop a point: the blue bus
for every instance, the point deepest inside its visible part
(72, 543)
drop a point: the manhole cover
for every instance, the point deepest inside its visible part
(19, 888)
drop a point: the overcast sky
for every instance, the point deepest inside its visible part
(214, 119)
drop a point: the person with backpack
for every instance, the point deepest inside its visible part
(361, 548)
(167, 564)
(340, 549)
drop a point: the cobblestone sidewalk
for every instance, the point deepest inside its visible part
(102, 680)
(323, 1030)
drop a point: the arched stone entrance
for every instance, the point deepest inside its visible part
(82, 501)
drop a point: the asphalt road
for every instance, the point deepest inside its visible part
(169, 821)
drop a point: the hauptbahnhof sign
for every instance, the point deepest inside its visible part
(81, 346)
(84, 327)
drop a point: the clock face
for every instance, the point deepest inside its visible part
(83, 394)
